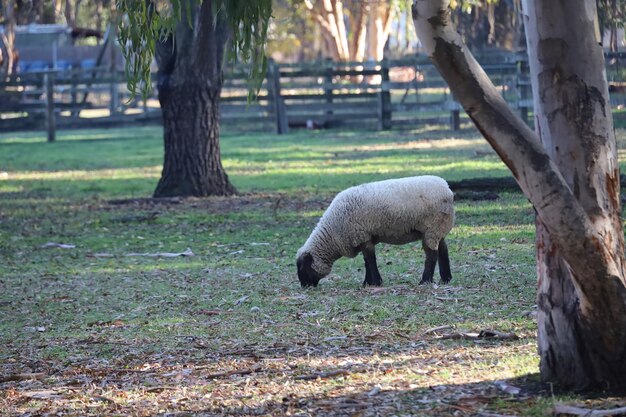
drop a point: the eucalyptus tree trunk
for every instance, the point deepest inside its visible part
(380, 18)
(7, 40)
(568, 171)
(190, 82)
(574, 122)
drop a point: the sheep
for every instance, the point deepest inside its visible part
(395, 211)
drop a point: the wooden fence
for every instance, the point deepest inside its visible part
(384, 95)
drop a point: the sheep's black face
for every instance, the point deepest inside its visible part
(306, 274)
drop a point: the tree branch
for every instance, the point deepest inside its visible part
(516, 144)
(560, 409)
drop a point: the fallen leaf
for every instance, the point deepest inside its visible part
(241, 300)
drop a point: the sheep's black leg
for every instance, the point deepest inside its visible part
(372, 276)
(429, 265)
(444, 262)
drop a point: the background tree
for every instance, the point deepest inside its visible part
(7, 39)
(189, 41)
(569, 172)
(353, 30)
(489, 23)
(611, 17)
(380, 15)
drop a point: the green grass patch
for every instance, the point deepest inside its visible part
(109, 330)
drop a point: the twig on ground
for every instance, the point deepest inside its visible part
(57, 245)
(160, 388)
(104, 399)
(587, 412)
(105, 371)
(437, 329)
(333, 338)
(509, 389)
(147, 200)
(328, 374)
(225, 374)
(45, 394)
(483, 334)
(23, 376)
(186, 252)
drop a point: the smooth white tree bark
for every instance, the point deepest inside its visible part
(569, 173)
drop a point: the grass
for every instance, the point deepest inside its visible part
(228, 330)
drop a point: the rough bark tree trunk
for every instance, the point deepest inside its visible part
(190, 82)
(572, 180)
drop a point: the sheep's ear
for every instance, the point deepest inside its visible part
(305, 261)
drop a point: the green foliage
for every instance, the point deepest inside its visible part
(143, 23)
(466, 6)
(611, 14)
(250, 22)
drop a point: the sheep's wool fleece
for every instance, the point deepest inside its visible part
(389, 211)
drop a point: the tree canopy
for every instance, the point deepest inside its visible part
(142, 24)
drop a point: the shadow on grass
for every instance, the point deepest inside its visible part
(371, 399)
(280, 380)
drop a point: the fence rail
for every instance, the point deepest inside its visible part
(383, 95)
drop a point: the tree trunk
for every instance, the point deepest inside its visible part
(571, 177)
(192, 164)
(7, 41)
(359, 37)
(380, 17)
(69, 14)
(574, 122)
(190, 82)
(330, 17)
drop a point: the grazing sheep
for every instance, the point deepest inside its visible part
(395, 211)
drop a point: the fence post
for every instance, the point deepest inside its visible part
(384, 112)
(74, 93)
(455, 116)
(50, 118)
(114, 94)
(114, 88)
(328, 88)
(276, 100)
(523, 84)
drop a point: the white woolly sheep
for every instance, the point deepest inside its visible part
(395, 211)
